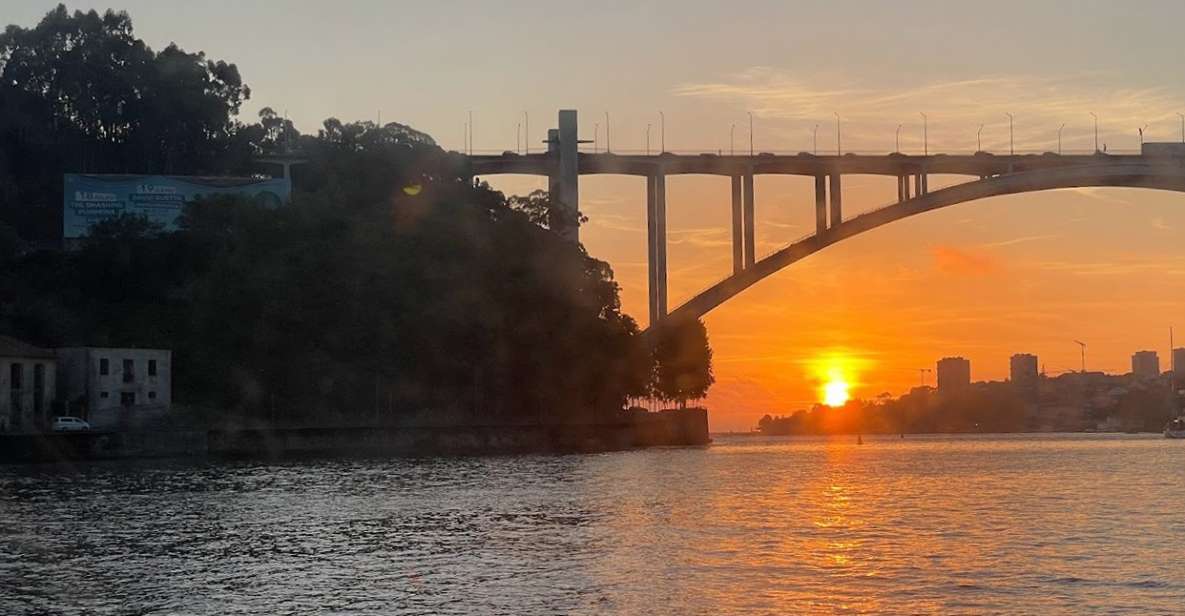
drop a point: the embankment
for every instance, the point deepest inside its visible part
(666, 428)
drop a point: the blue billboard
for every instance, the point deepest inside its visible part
(88, 199)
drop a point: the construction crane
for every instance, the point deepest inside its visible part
(1083, 346)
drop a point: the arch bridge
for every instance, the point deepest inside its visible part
(1158, 166)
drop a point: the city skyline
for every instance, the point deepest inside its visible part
(1036, 271)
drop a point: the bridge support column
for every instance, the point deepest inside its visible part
(925, 183)
(749, 223)
(836, 200)
(820, 205)
(900, 189)
(569, 173)
(738, 238)
(660, 198)
(656, 206)
(917, 185)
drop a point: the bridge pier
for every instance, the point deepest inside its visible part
(836, 200)
(820, 205)
(656, 244)
(749, 222)
(738, 238)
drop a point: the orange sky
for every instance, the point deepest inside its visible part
(1012, 274)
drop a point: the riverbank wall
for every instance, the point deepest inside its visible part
(682, 427)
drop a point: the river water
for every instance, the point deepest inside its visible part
(1024, 524)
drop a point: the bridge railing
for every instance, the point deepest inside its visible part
(654, 152)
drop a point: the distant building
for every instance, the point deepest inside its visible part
(1179, 368)
(27, 387)
(954, 373)
(1145, 365)
(106, 386)
(1023, 373)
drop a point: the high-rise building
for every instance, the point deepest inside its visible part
(953, 373)
(1023, 372)
(1145, 365)
(1179, 368)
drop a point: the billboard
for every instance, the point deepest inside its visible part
(88, 199)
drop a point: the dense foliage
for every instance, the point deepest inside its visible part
(391, 287)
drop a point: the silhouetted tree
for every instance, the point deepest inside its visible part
(682, 361)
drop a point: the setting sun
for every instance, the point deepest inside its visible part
(835, 393)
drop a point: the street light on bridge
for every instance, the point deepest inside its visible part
(925, 134)
(1011, 149)
(838, 143)
(979, 139)
(596, 135)
(750, 132)
(662, 132)
(606, 132)
(1141, 131)
(1096, 132)
(1182, 116)
(897, 140)
(526, 133)
(1059, 138)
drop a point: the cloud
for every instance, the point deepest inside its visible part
(1159, 224)
(1018, 240)
(961, 262)
(790, 106)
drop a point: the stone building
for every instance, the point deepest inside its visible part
(27, 386)
(111, 387)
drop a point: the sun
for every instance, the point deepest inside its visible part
(835, 392)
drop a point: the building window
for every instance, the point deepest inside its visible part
(152, 367)
(152, 395)
(104, 367)
(16, 375)
(127, 398)
(103, 395)
(129, 370)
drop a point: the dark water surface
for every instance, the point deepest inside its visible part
(1026, 524)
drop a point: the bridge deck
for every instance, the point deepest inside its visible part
(981, 164)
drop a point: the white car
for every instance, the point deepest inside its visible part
(70, 424)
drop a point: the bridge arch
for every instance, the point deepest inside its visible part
(1169, 175)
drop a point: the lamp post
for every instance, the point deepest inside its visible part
(607, 132)
(732, 150)
(518, 137)
(1096, 132)
(750, 132)
(838, 143)
(1182, 116)
(897, 140)
(1011, 149)
(470, 133)
(526, 133)
(979, 139)
(596, 135)
(925, 134)
(1141, 131)
(662, 133)
(1059, 138)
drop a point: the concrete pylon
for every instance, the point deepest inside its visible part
(568, 180)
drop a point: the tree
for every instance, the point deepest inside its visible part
(682, 361)
(79, 93)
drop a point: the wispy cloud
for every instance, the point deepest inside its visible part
(1018, 240)
(793, 104)
(963, 262)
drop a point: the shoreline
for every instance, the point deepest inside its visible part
(671, 428)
